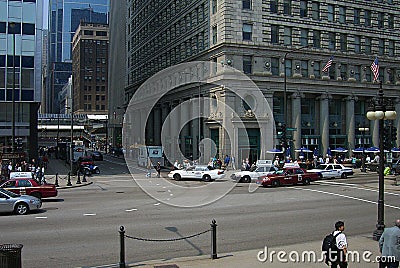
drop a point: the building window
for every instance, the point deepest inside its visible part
(214, 34)
(391, 21)
(332, 41)
(247, 31)
(331, 13)
(367, 18)
(288, 68)
(317, 69)
(357, 73)
(287, 38)
(275, 66)
(316, 39)
(342, 14)
(357, 44)
(274, 34)
(381, 18)
(287, 7)
(246, 4)
(381, 46)
(391, 48)
(367, 45)
(28, 28)
(303, 8)
(343, 42)
(304, 37)
(357, 14)
(368, 75)
(273, 5)
(343, 71)
(247, 64)
(332, 71)
(315, 10)
(214, 6)
(304, 68)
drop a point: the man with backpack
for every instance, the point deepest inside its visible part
(335, 247)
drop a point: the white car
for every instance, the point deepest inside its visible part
(205, 173)
(254, 173)
(19, 204)
(332, 171)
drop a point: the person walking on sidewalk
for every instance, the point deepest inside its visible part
(341, 244)
(389, 246)
(158, 169)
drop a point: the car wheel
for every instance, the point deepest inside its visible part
(275, 183)
(344, 176)
(21, 209)
(177, 177)
(246, 179)
(206, 178)
(37, 195)
(306, 181)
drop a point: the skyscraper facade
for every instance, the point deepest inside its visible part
(64, 19)
(21, 38)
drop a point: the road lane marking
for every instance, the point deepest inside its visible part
(132, 209)
(345, 196)
(41, 217)
(351, 185)
(115, 180)
(89, 214)
(157, 204)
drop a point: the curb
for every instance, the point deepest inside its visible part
(75, 186)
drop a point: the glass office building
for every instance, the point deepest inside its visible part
(64, 19)
(21, 42)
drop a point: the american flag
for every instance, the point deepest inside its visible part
(328, 64)
(375, 69)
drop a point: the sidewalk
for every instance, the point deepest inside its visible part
(296, 255)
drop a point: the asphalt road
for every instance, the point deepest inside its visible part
(80, 227)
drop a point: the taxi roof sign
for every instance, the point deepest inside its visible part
(19, 175)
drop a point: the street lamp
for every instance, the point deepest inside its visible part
(363, 130)
(12, 28)
(380, 109)
(285, 113)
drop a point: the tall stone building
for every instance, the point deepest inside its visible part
(90, 68)
(283, 46)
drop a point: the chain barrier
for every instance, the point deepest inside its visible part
(167, 240)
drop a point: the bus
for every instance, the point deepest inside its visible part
(153, 153)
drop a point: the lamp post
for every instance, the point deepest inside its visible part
(363, 130)
(285, 113)
(12, 27)
(380, 109)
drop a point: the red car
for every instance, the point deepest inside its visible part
(30, 187)
(288, 176)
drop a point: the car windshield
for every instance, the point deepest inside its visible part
(9, 193)
(280, 172)
(253, 168)
(321, 167)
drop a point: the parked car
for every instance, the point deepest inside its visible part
(201, 172)
(96, 155)
(332, 171)
(254, 173)
(19, 204)
(31, 187)
(288, 176)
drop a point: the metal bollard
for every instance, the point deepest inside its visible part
(84, 178)
(69, 179)
(56, 182)
(79, 178)
(214, 240)
(122, 247)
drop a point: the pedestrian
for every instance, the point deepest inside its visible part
(176, 165)
(341, 244)
(226, 161)
(158, 169)
(389, 246)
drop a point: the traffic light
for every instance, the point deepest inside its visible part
(19, 145)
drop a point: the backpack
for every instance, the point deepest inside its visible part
(329, 245)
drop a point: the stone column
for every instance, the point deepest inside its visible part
(185, 115)
(324, 121)
(174, 131)
(157, 125)
(375, 133)
(396, 122)
(195, 127)
(350, 123)
(296, 121)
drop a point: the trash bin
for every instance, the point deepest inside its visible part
(10, 255)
